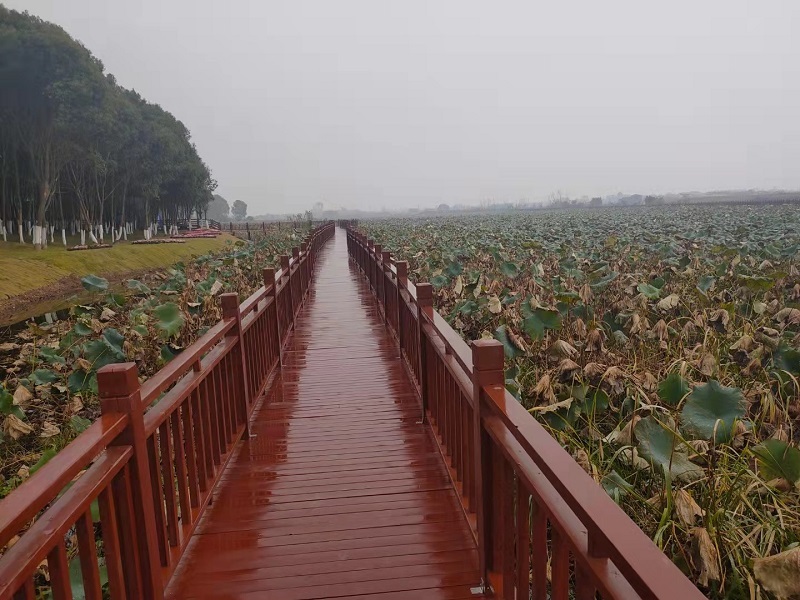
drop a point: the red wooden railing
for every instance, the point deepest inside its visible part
(151, 460)
(529, 503)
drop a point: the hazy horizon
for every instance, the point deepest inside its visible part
(374, 105)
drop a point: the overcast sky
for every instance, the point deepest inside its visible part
(373, 104)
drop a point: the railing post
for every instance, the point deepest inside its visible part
(369, 263)
(377, 268)
(288, 289)
(299, 271)
(425, 306)
(304, 248)
(271, 286)
(402, 281)
(386, 267)
(119, 390)
(230, 310)
(487, 369)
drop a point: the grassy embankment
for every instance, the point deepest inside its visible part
(23, 270)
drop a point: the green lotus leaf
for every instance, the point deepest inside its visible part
(82, 329)
(7, 406)
(539, 320)
(43, 460)
(50, 355)
(106, 350)
(93, 283)
(79, 424)
(138, 286)
(649, 291)
(711, 411)
(787, 359)
(705, 284)
(673, 389)
(616, 486)
(439, 281)
(778, 459)
(169, 319)
(663, 449)
(509, 269)
(501, 335)
(43, 376)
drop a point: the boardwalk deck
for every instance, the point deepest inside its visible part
(341, 493)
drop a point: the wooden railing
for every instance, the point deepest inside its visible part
(544, 529)
(143, 474)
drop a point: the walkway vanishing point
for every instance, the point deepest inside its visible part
(322, 441)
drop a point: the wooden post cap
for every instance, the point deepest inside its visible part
(269, 275)
(119, 379)
(284, 262)
(230, 304)
(424, 294)
(402, 269)
(487, 355)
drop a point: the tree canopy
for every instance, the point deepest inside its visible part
(78, 152)
(239, 210)
(219, 209)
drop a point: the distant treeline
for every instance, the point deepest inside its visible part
(81, 154)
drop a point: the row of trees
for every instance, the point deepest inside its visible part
(80, 154)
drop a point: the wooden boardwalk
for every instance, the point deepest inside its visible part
(341, 493)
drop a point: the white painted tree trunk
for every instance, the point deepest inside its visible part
(64, 237)
(21, 232)
(5, 239)
(52, 232)
(100, 231)
(92, 237)
(83, 237)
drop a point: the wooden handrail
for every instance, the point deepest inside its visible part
(513, 477)
(34, 494)
(153, 457)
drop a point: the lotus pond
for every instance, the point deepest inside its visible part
(661, 347)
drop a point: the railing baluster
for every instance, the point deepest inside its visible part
(190, 450)
(425, 305)
(181, 470)
(59, 572)
(158, 499)
(111, 550)
(271, 286)
(168, 482)
(584, 588)
(285, 267)
(230, 310)
(523, 563)
(559, 566)
(121, 491)
(87, 553)
(539, 556)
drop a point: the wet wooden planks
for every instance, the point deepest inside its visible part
(342, 493)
